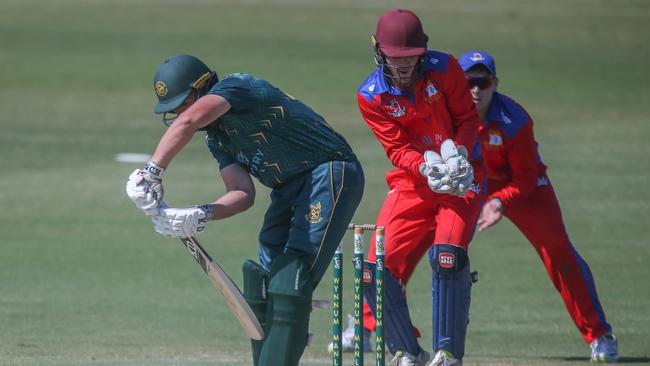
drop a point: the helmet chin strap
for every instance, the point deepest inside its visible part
(401, 82)
(396, 81)
(167, 121)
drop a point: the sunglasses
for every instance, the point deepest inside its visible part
(482, 82)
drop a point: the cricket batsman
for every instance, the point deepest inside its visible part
(253, 129)
(520, 189)
(418, 105)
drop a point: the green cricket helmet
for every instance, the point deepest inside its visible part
(177, 77)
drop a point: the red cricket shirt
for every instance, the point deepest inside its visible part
(513, 164)
(407, 125)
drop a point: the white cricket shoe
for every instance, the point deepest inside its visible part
(403, 358)
(445, 358)
(604, 349)
(347, 338)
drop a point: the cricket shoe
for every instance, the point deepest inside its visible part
(347, 339)
(403, 358)
(604, 349)
(445, 358)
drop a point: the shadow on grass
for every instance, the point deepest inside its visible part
(529, 361)
(620, 360)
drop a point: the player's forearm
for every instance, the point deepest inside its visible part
(230, 204)
(405, 157)
(173, 141)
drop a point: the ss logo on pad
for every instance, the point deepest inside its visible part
(446, 260)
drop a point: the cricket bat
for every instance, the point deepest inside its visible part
(227, 288)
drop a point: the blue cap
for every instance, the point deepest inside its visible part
(476, 57)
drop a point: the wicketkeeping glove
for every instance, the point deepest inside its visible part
(436, 172)
(459, 168)
(144, 187)
(180, 222)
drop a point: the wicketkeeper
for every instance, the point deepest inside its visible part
(255, 129)
(519, 188)
(418, 105)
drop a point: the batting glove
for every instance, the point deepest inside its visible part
(144, 187)
(181, 222)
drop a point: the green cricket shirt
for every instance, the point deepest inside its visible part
(271, 134)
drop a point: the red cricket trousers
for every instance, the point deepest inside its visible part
(413, 220)
(539, 218)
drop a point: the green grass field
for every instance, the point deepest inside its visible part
(84, 279)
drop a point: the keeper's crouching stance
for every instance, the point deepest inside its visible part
(418, 105)
(255, 129)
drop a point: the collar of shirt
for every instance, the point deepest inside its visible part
(510, 116)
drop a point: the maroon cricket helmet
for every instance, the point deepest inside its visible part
(399, 34)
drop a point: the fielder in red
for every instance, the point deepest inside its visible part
(418, 105)
(519, 188)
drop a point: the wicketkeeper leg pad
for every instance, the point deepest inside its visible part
(290, 293)
(398, 328)
(451, 285)
(256, 281)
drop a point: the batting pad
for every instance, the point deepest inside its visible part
(290, 294)
(256, 281)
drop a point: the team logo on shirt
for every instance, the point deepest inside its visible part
(495, 140)
(446, 260)
(396, 110)
(314, 217)
(432, 92)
